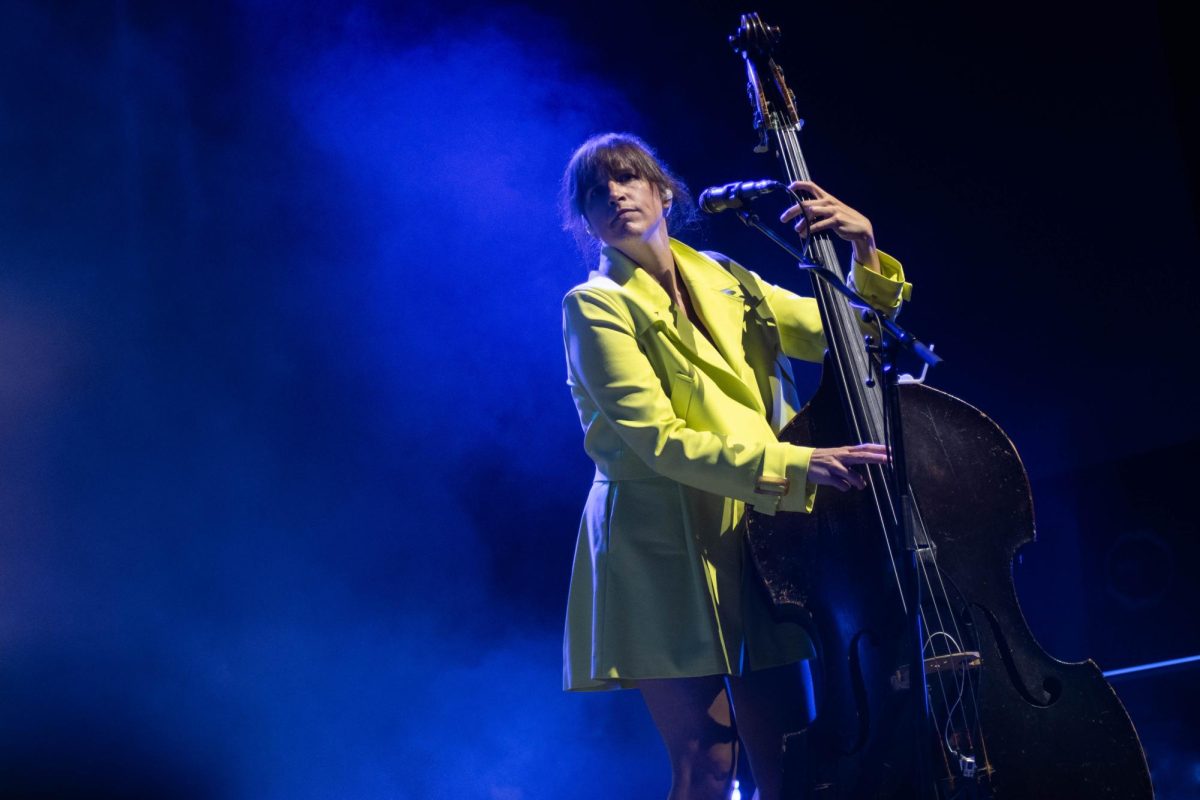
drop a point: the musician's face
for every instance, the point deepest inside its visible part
(624, 207)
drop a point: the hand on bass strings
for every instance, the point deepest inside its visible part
(824, 212)
(831, 466)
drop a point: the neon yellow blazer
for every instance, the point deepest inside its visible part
(682, 434)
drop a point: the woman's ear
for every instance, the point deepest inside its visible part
(587, 227)
(667, 197)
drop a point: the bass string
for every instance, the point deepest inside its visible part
(833, 312)
(936, 599)
(852, 363)
(848, 362)
(926, 561)
(967, 684)
(870, 404)
(861, 404)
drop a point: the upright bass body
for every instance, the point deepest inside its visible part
(1011, 721)
(930, 684)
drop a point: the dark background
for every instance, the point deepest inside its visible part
(289, 476)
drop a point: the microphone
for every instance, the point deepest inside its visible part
(716, 199)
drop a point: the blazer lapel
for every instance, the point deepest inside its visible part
(719, 303)
(714, 291)
(718, 297)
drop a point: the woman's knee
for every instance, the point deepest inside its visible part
(693, 717)
(704, 769)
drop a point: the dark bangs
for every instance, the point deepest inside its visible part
(609, 155)
(604, 157)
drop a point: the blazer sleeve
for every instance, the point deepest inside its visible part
(799, 319)
(886, 289)
(605, 359)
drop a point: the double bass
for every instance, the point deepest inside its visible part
(929, 683)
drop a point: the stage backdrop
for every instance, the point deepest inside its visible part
(289, 475)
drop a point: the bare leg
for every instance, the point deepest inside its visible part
(692, 716)
(768, 704)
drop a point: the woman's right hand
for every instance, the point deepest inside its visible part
(831, 466)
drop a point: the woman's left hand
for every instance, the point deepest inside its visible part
(827, 213)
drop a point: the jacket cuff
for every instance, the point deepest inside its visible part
(884, 289)
(783, 480)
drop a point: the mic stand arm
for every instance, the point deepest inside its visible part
(902, 337)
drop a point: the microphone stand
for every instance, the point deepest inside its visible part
(904, 533)
(902, 337)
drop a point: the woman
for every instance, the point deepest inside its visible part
(678, 368)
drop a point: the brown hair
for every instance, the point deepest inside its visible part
(609, 154)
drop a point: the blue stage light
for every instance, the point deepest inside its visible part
(1174, 662)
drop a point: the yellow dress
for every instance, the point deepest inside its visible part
(683, 434)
